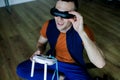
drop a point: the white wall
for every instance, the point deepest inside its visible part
(12, 2)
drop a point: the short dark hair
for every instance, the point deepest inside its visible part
(74, 1)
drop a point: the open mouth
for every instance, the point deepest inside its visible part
(59, 24)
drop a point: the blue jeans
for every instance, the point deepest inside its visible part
(71, 71)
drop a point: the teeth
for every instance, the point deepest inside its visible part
(60, 24)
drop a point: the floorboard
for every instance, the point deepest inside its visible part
(19, 32)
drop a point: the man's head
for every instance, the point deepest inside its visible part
(62, 6)
(75, 2)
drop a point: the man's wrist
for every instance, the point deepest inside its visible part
(41, 47)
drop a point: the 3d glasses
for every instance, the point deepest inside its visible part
(62, 14)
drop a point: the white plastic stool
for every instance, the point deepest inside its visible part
(46, 60)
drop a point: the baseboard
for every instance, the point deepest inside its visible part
(13, 2)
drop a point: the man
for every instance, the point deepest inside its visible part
(67, 36)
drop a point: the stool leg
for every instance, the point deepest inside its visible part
(45, 71)
(32, 68)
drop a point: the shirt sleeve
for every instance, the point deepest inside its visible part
(44, 29)
(89, 32)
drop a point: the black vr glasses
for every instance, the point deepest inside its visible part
(64, 14)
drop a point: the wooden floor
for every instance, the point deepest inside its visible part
(19, 32)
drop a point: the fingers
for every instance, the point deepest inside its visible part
(77, 17)
(75, 13)
(34, 54)
(37, 52)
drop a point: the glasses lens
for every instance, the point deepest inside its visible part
(65, 14)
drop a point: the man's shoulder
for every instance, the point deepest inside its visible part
(50, 20)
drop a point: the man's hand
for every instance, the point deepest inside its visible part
(77, 21)
(41, 45)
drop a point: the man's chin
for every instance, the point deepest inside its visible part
(58, 27)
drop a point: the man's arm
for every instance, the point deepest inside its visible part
(94, 53)
(41, 46)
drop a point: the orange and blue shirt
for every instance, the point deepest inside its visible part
(62, 52)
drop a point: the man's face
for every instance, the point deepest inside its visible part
(63, 24)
